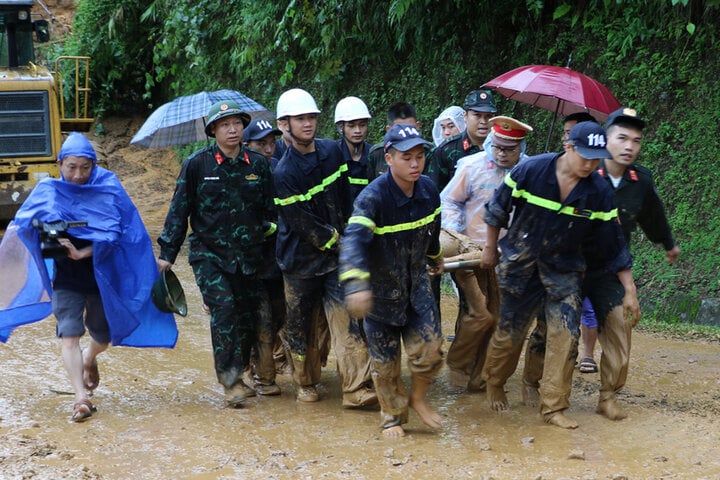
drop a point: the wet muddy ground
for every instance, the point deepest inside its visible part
(160, 412)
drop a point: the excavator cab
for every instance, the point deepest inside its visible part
(37, 105)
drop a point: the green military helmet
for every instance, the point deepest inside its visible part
(168, 295)
(222, 109)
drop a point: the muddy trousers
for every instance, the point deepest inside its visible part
(271, 320)
(233, 300)
(304, 336)
(422, 340)
(281, 350)
(615, 341)
(477, 318)
(614, 334)
(563, 330)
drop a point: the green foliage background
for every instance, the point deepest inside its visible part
(659, 56)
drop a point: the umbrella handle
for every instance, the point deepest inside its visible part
(552, 125)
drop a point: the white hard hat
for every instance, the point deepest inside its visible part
(351, 108)
(294, 102)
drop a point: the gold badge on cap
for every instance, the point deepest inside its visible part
(506, 126)
(483, 95)
(224, 106)
(630, 112)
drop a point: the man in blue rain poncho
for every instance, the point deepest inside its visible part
(101, 274)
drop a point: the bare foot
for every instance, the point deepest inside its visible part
(394, 432)
(427, 415)
(530, 396)
(611, 409)
(497, 399)
(560, 420)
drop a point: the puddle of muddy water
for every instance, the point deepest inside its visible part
(160, 416)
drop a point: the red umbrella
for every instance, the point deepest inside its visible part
(559, 89)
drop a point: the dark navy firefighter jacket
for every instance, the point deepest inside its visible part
(314, 203)
(547, 234)
(389, 241)
(357, 170)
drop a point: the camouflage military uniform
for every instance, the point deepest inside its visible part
(376, 161)
(440, 167)
(228, 202)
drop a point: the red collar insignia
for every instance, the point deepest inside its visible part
(466, 144)
(219, 158)
(246, 157)
(633, 175)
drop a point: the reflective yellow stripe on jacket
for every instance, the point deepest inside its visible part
(304, 197)
(400, 227)
(557, 206)
(355, 273)
(358, 181)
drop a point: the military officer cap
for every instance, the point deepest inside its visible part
(480, 101)
(625, 115)
(508, 132)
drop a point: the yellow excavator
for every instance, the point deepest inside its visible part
(34, 112)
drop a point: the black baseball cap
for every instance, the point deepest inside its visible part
(589, 140)
(259, 129)
(403, 137)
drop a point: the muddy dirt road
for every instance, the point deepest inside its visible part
(160, 412)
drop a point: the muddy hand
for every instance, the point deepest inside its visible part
(434, 270)
(490, 257)
(359, 304)
(631, 309)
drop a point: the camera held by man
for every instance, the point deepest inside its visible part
(50, 232)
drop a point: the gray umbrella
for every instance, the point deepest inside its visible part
(182, 120)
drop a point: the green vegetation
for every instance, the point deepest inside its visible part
(659, 56)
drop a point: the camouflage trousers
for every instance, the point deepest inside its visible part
(233, 300)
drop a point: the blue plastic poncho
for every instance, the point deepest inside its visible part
(123, 258)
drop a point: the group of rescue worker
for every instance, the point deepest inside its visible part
(301, 244)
